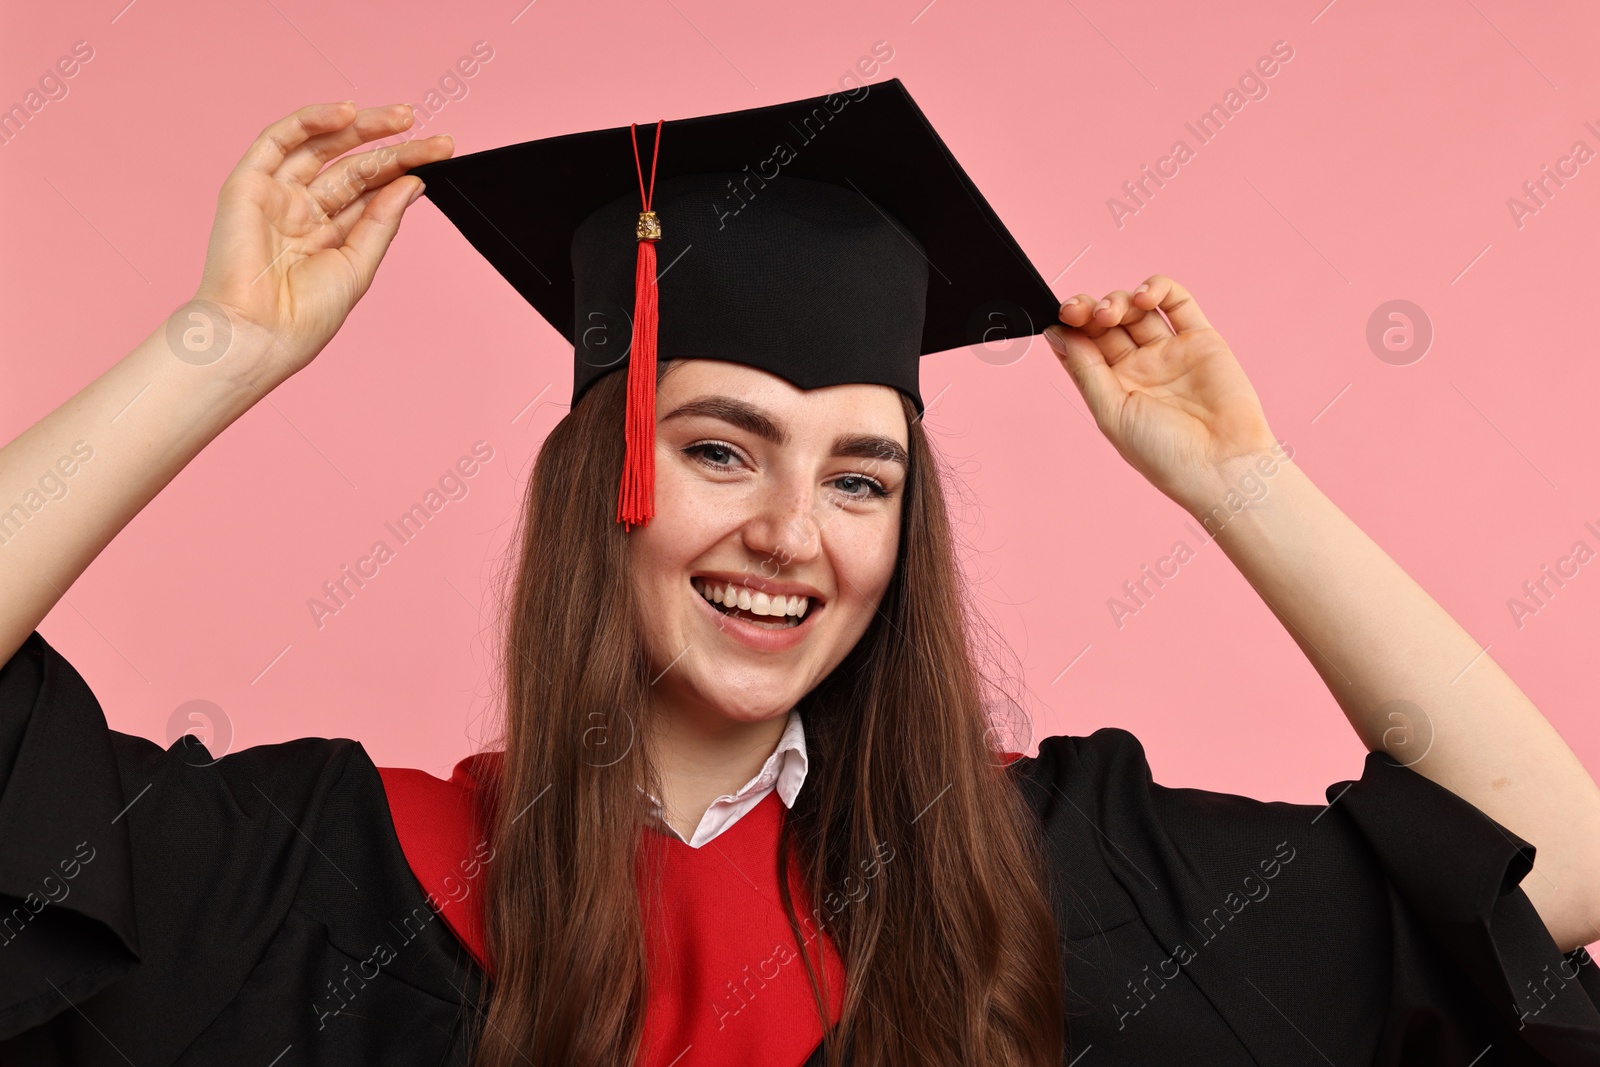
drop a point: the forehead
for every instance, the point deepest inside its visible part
(857, 408)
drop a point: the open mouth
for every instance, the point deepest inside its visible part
(761, 609)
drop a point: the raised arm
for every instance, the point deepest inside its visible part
(294, 245)
(1176, 404)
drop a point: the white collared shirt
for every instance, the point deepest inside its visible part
(784, 771)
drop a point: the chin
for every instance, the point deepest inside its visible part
(755, 700)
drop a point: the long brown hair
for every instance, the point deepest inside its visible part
(949, 946)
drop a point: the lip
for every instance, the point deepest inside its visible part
(753, 636)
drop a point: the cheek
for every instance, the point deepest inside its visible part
(689, 517)
(655, 555)
(865, 557)
(652, 561)
(688, 522)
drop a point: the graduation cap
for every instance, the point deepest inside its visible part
(829, 240)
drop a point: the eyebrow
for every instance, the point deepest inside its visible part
(752, 419)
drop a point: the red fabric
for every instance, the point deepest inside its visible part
(724, 970)
(444, 845)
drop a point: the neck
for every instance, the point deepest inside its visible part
(700, 757)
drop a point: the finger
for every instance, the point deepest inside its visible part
(1094, 317)
(1143, 320)
(1176, 303)
(1086, 366)
(346, 180)
(1110, 309)
(1112, 338)
(1077, 311)
(274, 143)
(1096, 321)
(345, 221)
(380, 220)
(302, 164)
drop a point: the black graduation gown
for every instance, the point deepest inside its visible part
(157, 908)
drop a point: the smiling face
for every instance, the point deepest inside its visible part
(785, 502)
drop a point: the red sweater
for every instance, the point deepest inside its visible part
(724, 969)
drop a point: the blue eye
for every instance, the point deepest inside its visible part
(873, 488)
(722, 456)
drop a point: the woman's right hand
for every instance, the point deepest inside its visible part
(295, 244)
(296, 241)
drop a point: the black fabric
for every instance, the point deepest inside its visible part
(1385, 928)
(260, 907)
(232, 911)
(806, 280)
(521, 206)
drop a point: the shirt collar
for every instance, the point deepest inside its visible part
(783, 771)
(790, 760)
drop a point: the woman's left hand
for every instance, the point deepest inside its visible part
(1172, 400)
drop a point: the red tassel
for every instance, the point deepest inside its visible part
(636, 497)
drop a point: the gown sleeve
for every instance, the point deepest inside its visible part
(164, 907)
(1386, 927)
(67, 925)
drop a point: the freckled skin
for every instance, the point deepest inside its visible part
(781, 512)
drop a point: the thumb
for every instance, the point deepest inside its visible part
(370, 237)
(1087, 368)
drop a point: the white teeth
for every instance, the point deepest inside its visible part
(757, 604)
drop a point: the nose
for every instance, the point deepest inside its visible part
(783, 530)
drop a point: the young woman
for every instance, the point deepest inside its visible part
(749, 808)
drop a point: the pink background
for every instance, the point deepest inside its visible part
(1378, 167)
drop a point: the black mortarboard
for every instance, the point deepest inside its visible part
(828, 241)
